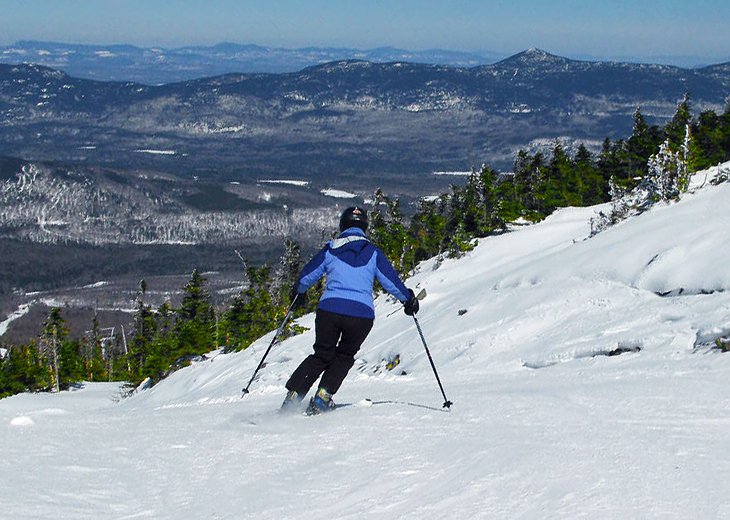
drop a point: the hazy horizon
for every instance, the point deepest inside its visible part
(496, 55)
(637, 29)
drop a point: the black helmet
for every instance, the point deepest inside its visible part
(354, 217)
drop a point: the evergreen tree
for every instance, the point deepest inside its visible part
(162, 349)
(709, 145)
(537, 178)
(287, 273)
(71, 363)
(667, 176)
(674, 131)
(526, 180)
(195, 324)
(143, 333)
(252, 313)
(554, 188)
(644, 142)
(92, 353)
(593, 189)
(54, 334)
(457, 240)
(388, 231)
(22, 369)
(426, 231)
(491, 211)
(609, 163)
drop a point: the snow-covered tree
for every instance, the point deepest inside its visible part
(668, 173)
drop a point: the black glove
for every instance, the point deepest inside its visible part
(298, 299)
(411, 306)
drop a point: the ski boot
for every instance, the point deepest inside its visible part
(321, 402)
(291, 402)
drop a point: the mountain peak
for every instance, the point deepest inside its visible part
(533, 56)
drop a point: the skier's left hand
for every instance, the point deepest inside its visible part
(298, 300)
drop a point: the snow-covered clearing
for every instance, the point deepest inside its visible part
(292, 182)
(338, 194)
(545, 423)
(157, 152)
(22, 311)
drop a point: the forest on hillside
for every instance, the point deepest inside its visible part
(652, 165)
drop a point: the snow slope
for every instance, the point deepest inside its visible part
(544, 424)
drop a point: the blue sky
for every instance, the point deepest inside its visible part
(568, 27)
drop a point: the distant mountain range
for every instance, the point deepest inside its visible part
(349, 119)
(156, 65)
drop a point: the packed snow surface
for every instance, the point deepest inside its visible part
(546, 421)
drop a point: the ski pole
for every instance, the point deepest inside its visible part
(447, 403)
(273, 340)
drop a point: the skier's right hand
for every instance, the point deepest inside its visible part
(411, 306)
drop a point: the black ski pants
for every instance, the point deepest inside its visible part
(337, 340)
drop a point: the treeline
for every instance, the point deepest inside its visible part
(164, 339)
(160, 340)
(540, 183)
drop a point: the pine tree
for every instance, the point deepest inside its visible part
(287, 273)
(644, 141)
(163, 346)
(52, 337)
(667, 174)
(492, 212)
(707, 148)
(609, 163)
(143, 333)
(389, 233)
(426, 231)
(507, 205)
(553, 188)
(21, 370)
(92, 353)
(195, 323)
(594, 190)
(252, 313)
(71, 363)
(675, 130)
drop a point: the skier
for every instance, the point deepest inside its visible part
(345, 312)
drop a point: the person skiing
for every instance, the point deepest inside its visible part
(345, 312)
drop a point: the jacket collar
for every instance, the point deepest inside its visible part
(352, 231)
(352, 234)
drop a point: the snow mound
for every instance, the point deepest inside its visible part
(22, 421)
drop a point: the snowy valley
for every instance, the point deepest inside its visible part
(584, 372)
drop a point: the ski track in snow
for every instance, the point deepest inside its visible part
(544, 423)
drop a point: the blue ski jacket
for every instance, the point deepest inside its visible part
(351, 263)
